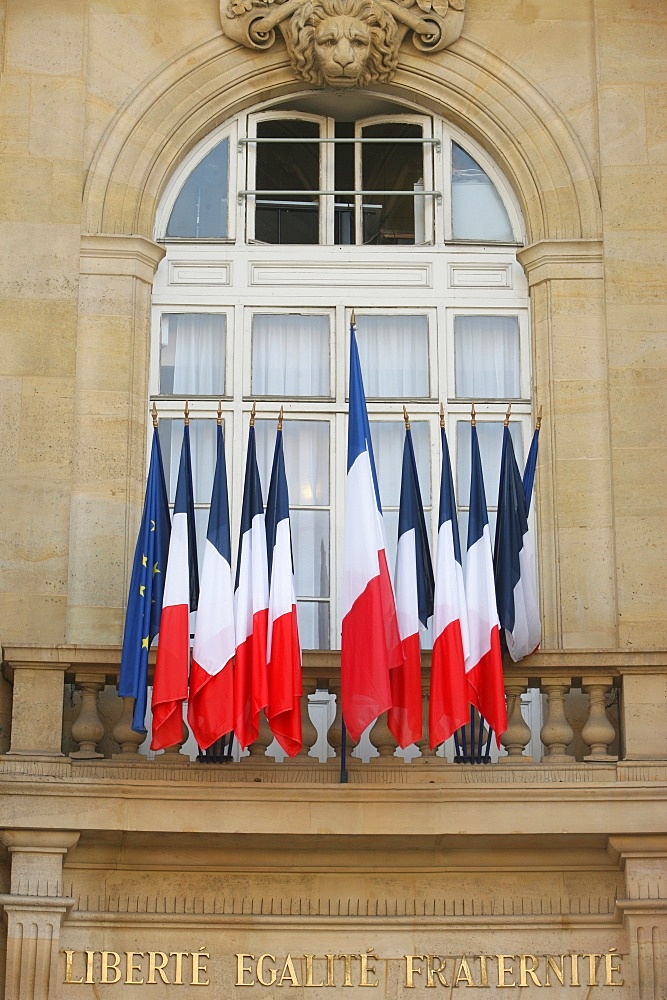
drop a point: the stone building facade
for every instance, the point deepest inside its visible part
(126, 876)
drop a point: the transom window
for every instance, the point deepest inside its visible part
(253, 302)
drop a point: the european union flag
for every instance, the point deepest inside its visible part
(144, 601)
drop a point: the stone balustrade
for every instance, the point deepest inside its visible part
(588, 706)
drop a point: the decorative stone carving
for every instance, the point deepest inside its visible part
(343, 43)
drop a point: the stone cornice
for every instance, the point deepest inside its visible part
(549, 260)
(128, 256)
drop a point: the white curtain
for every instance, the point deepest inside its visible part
(394, 356)
(487, 357)
(290, 355)
(199, 353)
(478, 212)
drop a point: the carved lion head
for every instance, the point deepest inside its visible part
(342, 43)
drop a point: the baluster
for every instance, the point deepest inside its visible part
(556, 733)
(598, 731)
(423, 743)
(87, 728)
(381, 738)
(516, 737)
(175, 754)
(257, 750)
(308, 731)
(335, 731)
(127, 739)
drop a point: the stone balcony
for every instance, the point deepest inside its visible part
(602, 739)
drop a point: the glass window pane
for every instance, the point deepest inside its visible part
(200, 210)
(306, 447)
(313, 619)
(478, 212)
(487, 357)
(388, 437)
(284, 166)
(394, 355)
(393, 219)
(192, 354)
(202, 452)
(310, 547)
(490, 437)
(290, 355)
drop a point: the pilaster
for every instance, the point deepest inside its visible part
(34, 910)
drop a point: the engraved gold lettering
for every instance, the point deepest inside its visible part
(289, 973)
(432, 971)
(525, 970)
(592, 971)
(574, 963)
(260, 970)
(348, 969)
(242, 969)
(153, 966)
(109, 966)
(483, 970)
(330, 969)
(503, 971)
(410, 970)
(90, 955)
(610, 968)
(367, 969)
(198, 968)
(131, 968)
(309, 971)
(559, 973)
(178, 973)
(464, 973)
(69, 956)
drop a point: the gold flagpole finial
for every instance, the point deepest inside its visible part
(442, 415)
(186, 413)
(353, 319)
(472, 416)
(406, 417)
(538, 422)
(219, 419)
(507, 415)
(280, 419)
(252, 414)
(154, 414)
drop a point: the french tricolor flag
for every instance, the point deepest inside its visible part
(283, 649)
(370, 644)
(514, 561)
(413, 582)
(484, 666)
(251, 603)
(211, 701)
(181, 594)
(448, 707)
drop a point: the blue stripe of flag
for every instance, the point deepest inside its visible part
(478, 516)
(529, 471)
(359, 433)
(277, 503)
(511, 526)
(411, 517)
(218, 519)
(253, 503)
(447, 499)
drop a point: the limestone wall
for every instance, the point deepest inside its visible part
(74, 316)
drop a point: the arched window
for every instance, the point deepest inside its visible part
(276, 227)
